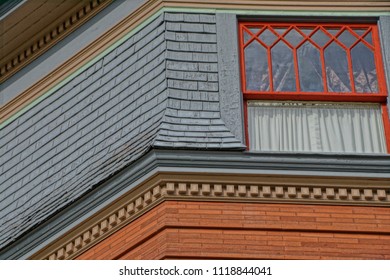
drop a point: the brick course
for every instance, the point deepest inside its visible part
(250, 231)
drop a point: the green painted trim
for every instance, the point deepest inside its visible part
(183, 9)
(278, 13)
(309, 13)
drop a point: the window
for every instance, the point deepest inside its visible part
(314, 88)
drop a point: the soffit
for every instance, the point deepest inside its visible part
(37, 25)
(32, 19)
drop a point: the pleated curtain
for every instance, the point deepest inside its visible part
(315, 127)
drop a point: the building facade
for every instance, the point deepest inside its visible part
(191, 129)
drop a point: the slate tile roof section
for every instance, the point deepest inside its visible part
(158, 89)
(93, 126)
(193, 118)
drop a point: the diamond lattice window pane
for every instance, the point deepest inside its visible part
(267, 37)
(254, 30)
(333, 31)
(347, 38)
(293, 37)
(247, 37)
(280, 30)
(320, 38)
(360, 31)
(368, 38)
(306, 30)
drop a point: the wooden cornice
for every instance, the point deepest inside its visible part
(146, 10)
(195, 187)
(13, 59)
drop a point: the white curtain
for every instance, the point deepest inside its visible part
(315, 127)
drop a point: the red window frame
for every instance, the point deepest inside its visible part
(353, 96)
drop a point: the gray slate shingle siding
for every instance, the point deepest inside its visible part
(193, 118)
(158, 89)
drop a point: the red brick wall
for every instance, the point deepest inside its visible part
(177, 229)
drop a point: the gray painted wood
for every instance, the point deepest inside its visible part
(229, 74)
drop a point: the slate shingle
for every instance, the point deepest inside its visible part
(197, 88)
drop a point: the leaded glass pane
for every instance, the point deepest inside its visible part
(267, 37)
(306, 30)
(247, 37)
(320, 38)
(310, 72)
(347, 38)
(254, 30)
(364, 71)
(293, 37)
(256, 67)
(337, 72)
(360, 31)
(280, 30)
(333, 31)
(368, 38)
(283, 68)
